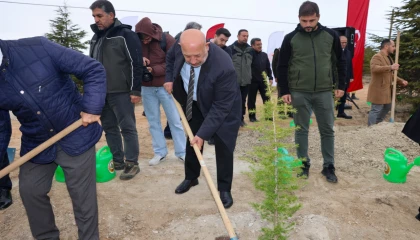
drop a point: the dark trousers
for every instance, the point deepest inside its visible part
(118, 119)
(342, 103)
(35, 183)
(224, 157)
(5, 182)
(254, 88)
(244, 94)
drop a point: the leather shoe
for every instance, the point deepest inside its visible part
(226, 198)
(5, 199)
(347, 106)
(185, 186)
(253, 119)
(344, 115)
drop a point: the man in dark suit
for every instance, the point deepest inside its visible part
(349, 78)
(205, 85)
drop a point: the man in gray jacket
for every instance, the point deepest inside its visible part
(242, 60)
(119, 50)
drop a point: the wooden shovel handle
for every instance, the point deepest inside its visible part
(40, 148)
(206, 172)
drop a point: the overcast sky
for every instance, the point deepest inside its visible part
(20, 21)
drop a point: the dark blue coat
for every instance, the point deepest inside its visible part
(218, 95)
(349, 65)
(5, 133)
(35, 85)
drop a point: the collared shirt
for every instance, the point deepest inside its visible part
(185, 74)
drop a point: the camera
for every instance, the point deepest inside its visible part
(147, 76)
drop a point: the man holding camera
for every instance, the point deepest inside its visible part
(155, 44)
(119, 50)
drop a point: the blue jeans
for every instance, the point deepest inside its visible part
(152, 98)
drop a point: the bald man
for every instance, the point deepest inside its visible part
(205, 85)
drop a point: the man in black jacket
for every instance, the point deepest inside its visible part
(119, 50)
(260, 64)
(349, 78)
(221, 38)
(206, 87)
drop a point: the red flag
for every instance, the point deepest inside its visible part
(357, 14)
(212, 30)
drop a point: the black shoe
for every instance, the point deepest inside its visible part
(185, 186)
(329, 173)
(5, 199)
(143, 114)
(226, 198)
(354, 97)
(211, 141)
(418, 215)
(119, 165)
(305, 171)
(348, 107)
(131, 169)
(344, 115)
(253, 119)
(243, 124)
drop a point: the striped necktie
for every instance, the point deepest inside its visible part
(190, 94)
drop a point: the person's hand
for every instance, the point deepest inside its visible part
(271, 82)
(287, 98)
(168, 87)
(339, 93)
(197, 140)
(146, 61)
(88, 118)
(351, 80)
(395, 66)
(150, 69)
(404, 83)
(135, 99)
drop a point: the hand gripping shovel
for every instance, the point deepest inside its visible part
(210, 183)
(40, 148)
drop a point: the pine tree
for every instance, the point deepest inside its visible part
(65, 33)
(408, 22)
(369, 52)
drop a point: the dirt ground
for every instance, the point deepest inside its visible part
(362, 205)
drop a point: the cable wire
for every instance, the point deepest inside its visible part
(163, 13)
